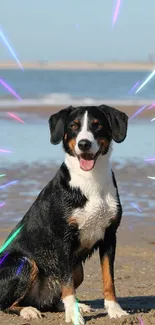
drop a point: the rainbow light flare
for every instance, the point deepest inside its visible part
(15, 117)
(21, 266)
(2, 204)
(146, 81)
(3, 258)
(136, 113)
(116, 12)
(151, 106)
(5, 85)
(10, 49)
(134, 86)
(136, 206)
(141, 321)
(8, 184)
(10, 239)
(5, 151)
(150, 159)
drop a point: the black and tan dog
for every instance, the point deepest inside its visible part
(78, 212)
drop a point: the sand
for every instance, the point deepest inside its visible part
(86, 65)
(50, 109)
(135, 286)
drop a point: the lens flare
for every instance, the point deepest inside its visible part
(150, 159)
(141, 321)
(5, 151)
(151, 106)
(146, 81)
(136, 207)
(2, 204)
(151, 177)
(3, 258)
(8, 184)
(118, 4)
(2, 175)
(10, 239)
(5, 85)
(136, 113)
(10, 49)
(15, 117)
(21, 266)
(134, 87)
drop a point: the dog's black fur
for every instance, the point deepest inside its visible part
(46, 250)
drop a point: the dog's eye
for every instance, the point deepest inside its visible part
(75, 127)
(96, 126)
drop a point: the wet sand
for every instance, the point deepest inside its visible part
(135, 256)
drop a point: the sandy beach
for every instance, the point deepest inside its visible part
(45, 111)
(135, 257)
(113, 66)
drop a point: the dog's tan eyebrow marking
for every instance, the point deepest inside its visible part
(76, 121)
(95, 121)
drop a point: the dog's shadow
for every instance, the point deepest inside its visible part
(139, 304)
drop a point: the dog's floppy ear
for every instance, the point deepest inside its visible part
(118, 122)
(57, 123)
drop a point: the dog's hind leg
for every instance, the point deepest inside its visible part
(17, 274)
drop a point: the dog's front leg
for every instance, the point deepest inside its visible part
(107, 256)
(73, 313)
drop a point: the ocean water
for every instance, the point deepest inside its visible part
(46, 87)
(30, 142)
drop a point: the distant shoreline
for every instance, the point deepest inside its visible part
(139, 66)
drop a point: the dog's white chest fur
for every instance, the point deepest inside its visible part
(101, 205)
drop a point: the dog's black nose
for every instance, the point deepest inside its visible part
(84, 145)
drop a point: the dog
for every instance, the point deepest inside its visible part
(76, 213)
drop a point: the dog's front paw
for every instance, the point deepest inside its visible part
(73, 312)
(30, 313)
(114, 310)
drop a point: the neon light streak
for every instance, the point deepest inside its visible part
(10, 239)
(146, 81)
(5, 85)
(136, 113)
(10, 49)
(8, 184)
(116, 12)
(15, 117)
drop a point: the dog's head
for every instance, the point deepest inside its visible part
(87, 132)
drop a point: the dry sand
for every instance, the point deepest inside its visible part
(50, 109)
(86, 65)
(134, 279)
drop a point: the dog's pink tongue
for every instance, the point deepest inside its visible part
(86, 164)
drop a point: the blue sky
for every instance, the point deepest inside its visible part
(47, 29)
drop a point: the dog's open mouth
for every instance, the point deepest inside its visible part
(87, 161)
